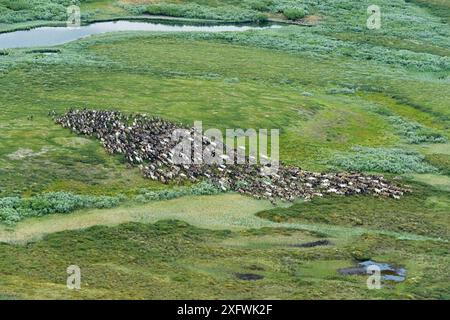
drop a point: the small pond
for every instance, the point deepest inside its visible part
(388, 271)
(50, 36)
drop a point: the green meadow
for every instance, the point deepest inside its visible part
(345, 98)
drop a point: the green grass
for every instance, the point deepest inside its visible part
(15, 209)
(212, 212)
(328, 88)
(423, 211)
(440, 8)
(176, 260)
(199, 211)
(439, 181)
(312, 127)
(382, 160)
(440, 161)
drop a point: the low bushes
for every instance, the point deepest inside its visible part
(12, 11)
(294, 13)
(203, 188)
(249, 10)
(414, 132)
(364, 159)
(195, 11)
(14, 209)
(341, 91)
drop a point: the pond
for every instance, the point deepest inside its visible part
(50, 36)
(387, 270)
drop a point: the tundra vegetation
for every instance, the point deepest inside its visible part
(344, 98)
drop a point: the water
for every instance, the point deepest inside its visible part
(50, 36)
(388, 271)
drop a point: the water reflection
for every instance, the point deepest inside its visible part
(50, 36)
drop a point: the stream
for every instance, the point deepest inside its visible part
(51, 36)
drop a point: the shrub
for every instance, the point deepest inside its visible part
(382, 160)
(202, 188)
(260, 18)
(9, 202)
(341, 91)
(440, 161)
(14, 209)
(205, 188)
(16, 5)
(294, 13)
(133, 9)
(166, 10)
(12, 11)
(9, 216)
(414, 132)
(260, 5)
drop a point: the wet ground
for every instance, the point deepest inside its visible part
(50, 36)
